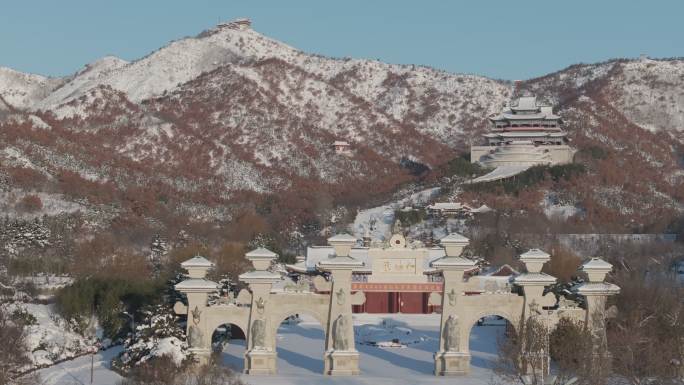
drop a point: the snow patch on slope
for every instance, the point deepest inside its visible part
(21, 90)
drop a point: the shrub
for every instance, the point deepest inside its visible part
(165, 372)
(462, 167)
(410, 217)
(594, 152)
(530, 177)
(13, 349)
(414, 168)
(30, 203)
(107, 299)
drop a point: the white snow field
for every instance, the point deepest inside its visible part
(501, 172)
(300, 355)
(383, 216)
(77, 371)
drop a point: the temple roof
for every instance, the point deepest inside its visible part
(526, 108)
(261, 252)
(505, 115)
(197, 261)
(315, 254)
(524, 134)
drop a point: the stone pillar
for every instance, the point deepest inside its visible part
(260, 357)
(596, 293)
(197, 288)
(453, 357)
(341, 357)
(533, 283)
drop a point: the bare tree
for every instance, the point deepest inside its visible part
(13, 349)
(647, 336)
(522, 356)
(578, 356)
(163, 371)
(525, 358)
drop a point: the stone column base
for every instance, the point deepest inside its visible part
(452, 363)
(260, 362)
(341, 363)
(202, 356)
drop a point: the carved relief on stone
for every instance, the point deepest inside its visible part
(340, 332)
(452, 297)
(196, 313)
(451, 334)
(260, 305)
(258, 334)
(341, 296)
(194, 336)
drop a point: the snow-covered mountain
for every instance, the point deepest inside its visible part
(209, 121)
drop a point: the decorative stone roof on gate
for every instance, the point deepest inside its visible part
(197, 261)
(316, 254)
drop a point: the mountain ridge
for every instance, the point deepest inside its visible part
(211, 126)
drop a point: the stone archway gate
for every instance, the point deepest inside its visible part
(259, 310)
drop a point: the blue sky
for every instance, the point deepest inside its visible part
(502, 39)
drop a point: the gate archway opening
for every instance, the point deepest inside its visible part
(487, 335)
(228, 344)
(397, 343)
(300, 344)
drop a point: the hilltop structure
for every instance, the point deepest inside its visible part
(525, 133)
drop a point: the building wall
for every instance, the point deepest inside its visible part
(397, 265)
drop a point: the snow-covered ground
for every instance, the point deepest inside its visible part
(50, 337)
(77, 371)
(300, 353)
(382, 217)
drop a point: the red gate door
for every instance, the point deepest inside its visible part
(411, 302)
(377, 302)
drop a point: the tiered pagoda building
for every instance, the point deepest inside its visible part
(526, 133)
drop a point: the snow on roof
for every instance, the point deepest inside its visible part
(340, 261)
(197, 261)
(344, 237)
(534, 254)
(453, 262)
(501, 172)
(299, 267)
(542, 278)
(448, 206)
(261, 253)
(260, 274)
(597, 264)
(598, 288)
(454, 238)
(316, 254)
(482, 209)
(503, 271)
(196, 284)
(518, 134)
(341, 143)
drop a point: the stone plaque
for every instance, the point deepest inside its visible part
(398, 265)
(258, 361)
